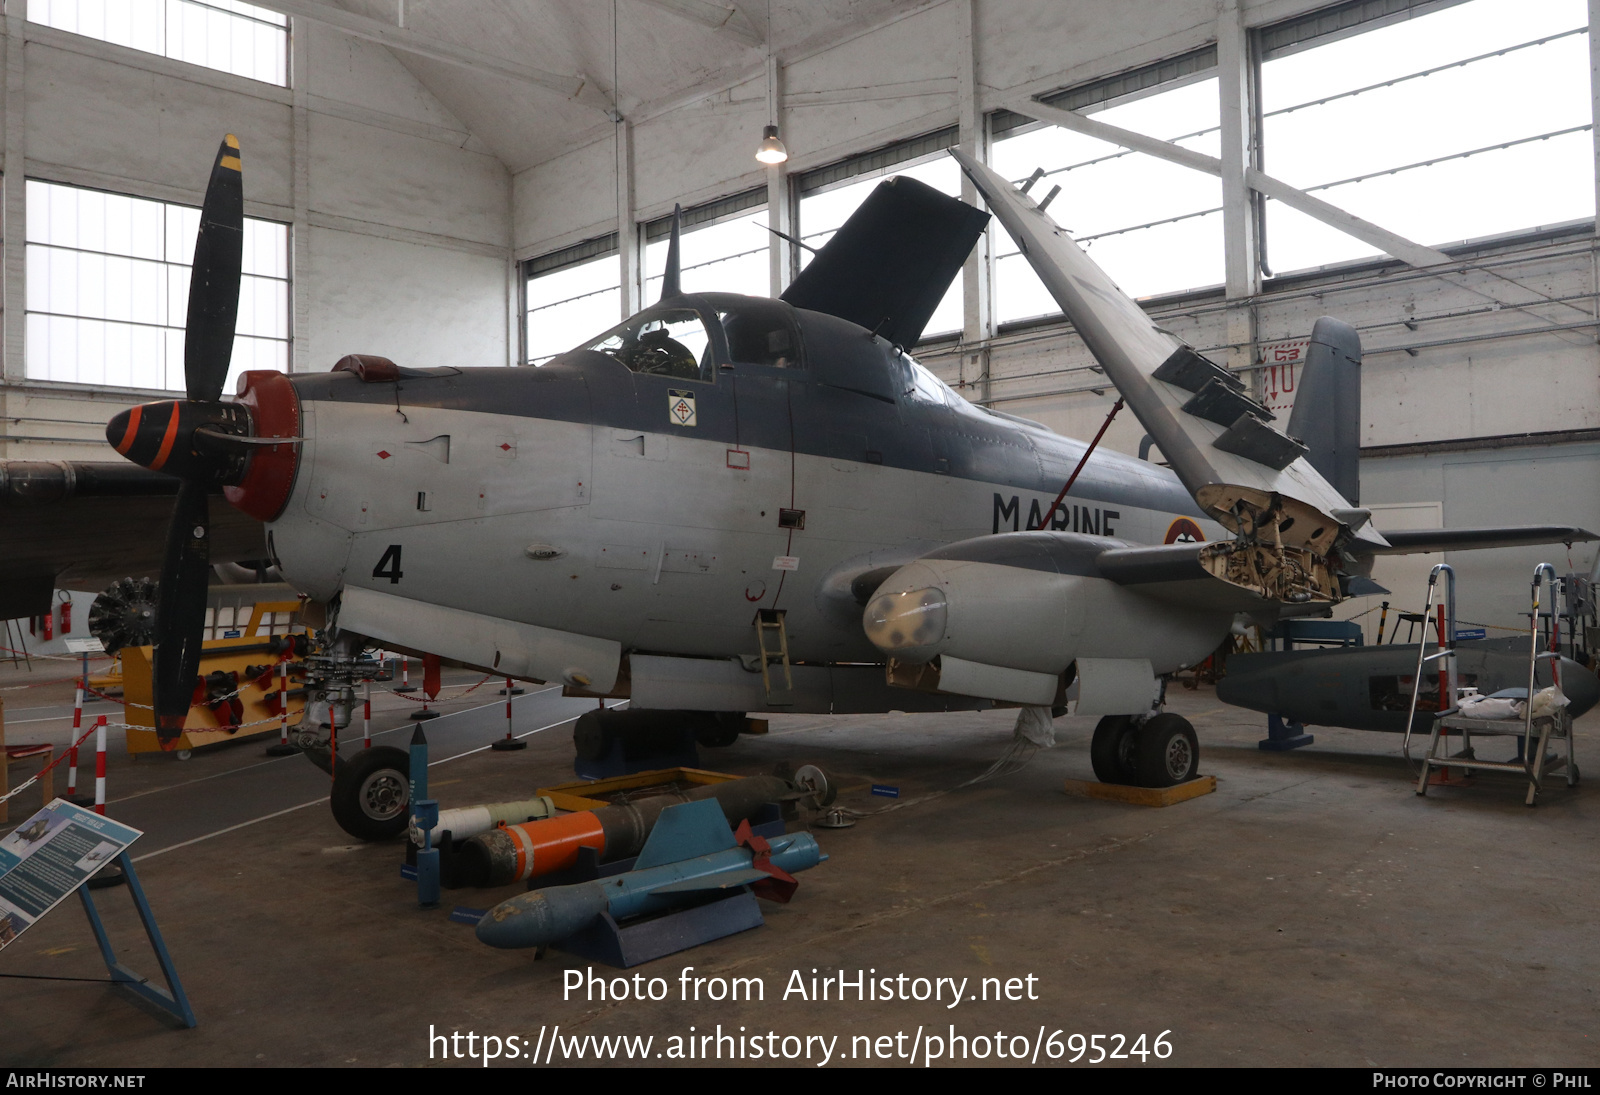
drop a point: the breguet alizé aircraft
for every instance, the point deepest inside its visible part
(735, 504)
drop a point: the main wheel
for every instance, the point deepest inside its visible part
(1111, 751)
(720, 729)
(1168, 751)
(371, 791)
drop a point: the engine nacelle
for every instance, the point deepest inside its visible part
(1030, 612)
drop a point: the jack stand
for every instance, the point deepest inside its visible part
(1284, 736)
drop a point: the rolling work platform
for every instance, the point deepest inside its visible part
(1532, 762)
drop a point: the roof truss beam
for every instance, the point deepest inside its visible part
(1408, 251)
(729, 20)
(579, 88)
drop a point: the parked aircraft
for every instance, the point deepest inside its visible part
(733, 504)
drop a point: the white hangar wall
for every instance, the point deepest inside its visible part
(399, 219)
(1467, 375)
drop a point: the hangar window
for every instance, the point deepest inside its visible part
(228, 35)
(724, 247)
(830, 194)
(1153, 226)
(571, 294)
(1442, 126)
(108, 289)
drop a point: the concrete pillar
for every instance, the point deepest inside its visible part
(1242, 275)
(13, 199)
(977, 289)
(300, 360)
(1594, 101)
(782, 258)
(628, 249)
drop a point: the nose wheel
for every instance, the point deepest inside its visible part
(1161, 751)
(370, 793)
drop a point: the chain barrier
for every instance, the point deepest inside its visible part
(413, 699)
(126, 726)
(273, 721)
(31, 780)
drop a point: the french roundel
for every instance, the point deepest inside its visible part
(1184, 531)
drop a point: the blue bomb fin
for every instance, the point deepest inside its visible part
(684, 831)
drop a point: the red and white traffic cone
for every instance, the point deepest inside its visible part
(508, 743)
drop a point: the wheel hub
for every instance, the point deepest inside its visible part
(383, 795)
(1179, 757)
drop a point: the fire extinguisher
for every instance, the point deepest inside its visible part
(66, 614)
(49, 619)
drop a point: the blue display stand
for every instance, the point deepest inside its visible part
(1283, 736)
(171, 1003)
(630, 944)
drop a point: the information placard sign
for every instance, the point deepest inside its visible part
(46, 858)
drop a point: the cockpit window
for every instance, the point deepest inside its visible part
(927, 388)
(761, 332)
(673, 342)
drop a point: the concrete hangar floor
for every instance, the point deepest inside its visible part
(1313, 911)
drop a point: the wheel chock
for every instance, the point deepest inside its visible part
(1141, 796)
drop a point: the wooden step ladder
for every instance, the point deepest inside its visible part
(770, 621)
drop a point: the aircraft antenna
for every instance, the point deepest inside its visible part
(671, 281)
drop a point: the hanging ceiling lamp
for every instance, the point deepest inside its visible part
(771, 150)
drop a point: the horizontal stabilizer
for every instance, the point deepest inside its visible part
(722, 880)
(889, 265)
(685, 831)
(1419, 541)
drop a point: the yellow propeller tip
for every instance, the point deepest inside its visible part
(231, 141)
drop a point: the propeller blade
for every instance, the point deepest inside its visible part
(181, 610)
(214, 281)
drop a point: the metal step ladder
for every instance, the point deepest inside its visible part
(1532, 761)
(769, 621)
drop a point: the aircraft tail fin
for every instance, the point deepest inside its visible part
(672, 279)
(1327, 406)
(888, 266)
(684, 831)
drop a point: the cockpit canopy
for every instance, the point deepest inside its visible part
(690, 337)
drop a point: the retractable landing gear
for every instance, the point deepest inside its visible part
(1158, 751)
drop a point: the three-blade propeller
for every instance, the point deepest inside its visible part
(194, 439)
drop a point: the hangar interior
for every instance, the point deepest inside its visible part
(433, 210)
(474, 183)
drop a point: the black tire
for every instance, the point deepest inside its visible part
(720, 729)
(1111, 750)
(1168, 752)
(371, 792)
